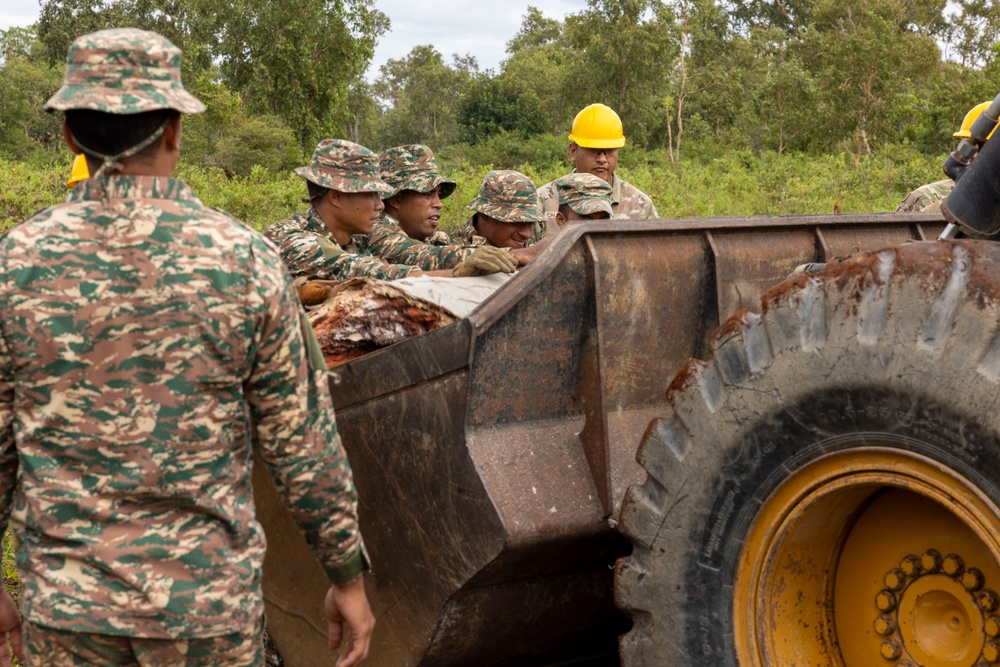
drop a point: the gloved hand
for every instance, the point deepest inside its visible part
(485, 260)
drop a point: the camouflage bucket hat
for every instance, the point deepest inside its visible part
(344, 166)
(508, 196)
(123, 71)
(412, 167)
(585, 193)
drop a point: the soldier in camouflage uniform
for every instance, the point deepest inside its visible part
(926, 198)
(412, 213)
(138, 332)
(330, 241)
(582, 197)
(506, 209)
(594, 142)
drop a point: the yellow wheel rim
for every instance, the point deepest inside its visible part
(871, 557)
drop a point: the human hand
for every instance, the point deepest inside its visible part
(347, 605)
(485, 260)
(10, 627)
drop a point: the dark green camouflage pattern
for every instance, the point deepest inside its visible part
(123, 71)
(344, 166)
(412, 167)
(507, 196)
(55, 648)
(390, 243)
(309, 249)
(138, 332)
(584, 193)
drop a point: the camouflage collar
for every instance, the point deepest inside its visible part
(389, 220)
(132, 187)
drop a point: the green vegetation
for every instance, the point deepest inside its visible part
(734, 182)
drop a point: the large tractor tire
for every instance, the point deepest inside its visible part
(825, 490)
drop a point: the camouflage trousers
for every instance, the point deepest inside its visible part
(46, 647)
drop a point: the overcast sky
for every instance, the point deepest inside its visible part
(479, 27)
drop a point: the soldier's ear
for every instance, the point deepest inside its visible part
(172, 134)
(560, 218)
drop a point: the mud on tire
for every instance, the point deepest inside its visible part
(893, 355)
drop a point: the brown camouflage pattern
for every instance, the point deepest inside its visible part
(309, 249)
(507, 196)
(139, 333)
(390, 243)
(338, 164)
(627, 202)
(123, 71)
(412, 167)
(926, 198)
(55, 648)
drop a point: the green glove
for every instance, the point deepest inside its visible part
(485, 260)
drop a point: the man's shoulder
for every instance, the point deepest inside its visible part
(925, 196)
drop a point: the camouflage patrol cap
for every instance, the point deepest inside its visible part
(123, 71)
(341, 165)
(585, 193)
(412, 167)
(508, 196)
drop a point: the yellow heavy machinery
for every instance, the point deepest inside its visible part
(823, 489)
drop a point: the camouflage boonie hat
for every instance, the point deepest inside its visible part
(412, 167)
(585, 193)
(508, 196)
(341, 165)
(123, 71)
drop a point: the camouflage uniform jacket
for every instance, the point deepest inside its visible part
(389, 242)
(309, 249)
(627, 201)
(926, 198)
(139, 332)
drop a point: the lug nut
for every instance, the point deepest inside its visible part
(891, 650)
(905, 663)
(895, 580)
(953, 565)
(991, 652)
(885, 625)
(987, 600)
(930, 561)
(973, 579)
(910, 566)
(886, 600)
(991, 626)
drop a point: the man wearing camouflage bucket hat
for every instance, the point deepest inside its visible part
(330, 240)
(140, 333)
(412, 213)
(506, 209)
(582, 197)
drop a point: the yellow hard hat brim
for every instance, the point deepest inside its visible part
(598, 143)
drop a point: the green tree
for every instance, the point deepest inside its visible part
(420, 95)
(494, 105)
(26, 82)
(624, 50)
(539, 62)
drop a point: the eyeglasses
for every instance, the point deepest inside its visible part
(610, 153)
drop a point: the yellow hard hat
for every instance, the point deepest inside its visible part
(597, 126)
(970, 118)
(80, 171)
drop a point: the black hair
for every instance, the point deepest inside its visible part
(315, 191)
(111, 134)
(564, 209)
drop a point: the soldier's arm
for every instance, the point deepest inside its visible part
(395, 247)
(290, 403)
(308, 255)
